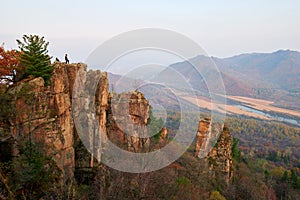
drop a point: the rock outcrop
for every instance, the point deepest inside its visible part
(204, 130)
(128, 116)
(89, 98)
(163, 136)
(44, 114)
(219, 158)
(76, 113)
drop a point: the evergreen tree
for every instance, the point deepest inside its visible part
(236, 154)
(154, 124)
(35, 174)
(34, 57)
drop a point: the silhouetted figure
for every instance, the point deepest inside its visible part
(66, 59)
(14, 75)
(57, 60)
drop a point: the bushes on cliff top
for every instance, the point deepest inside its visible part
(34, 57)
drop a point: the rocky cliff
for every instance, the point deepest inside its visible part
(128, 116)
(44, 114)
(76, 111)
(219, 159)
(89, 107)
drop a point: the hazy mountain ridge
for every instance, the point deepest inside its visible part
(273, 76)
(195, 76)
(280, 68)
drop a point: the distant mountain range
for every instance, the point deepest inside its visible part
(274, 76)
(243, 73)
(281, 69)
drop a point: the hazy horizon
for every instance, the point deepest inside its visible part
(223, 29)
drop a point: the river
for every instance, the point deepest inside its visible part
(275, 117)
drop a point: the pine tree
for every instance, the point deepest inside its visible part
(236, 153)
(34, 57)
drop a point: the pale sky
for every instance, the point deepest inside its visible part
(222, 28)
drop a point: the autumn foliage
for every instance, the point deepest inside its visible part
(8, 63)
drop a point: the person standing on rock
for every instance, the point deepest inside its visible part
(66, 59)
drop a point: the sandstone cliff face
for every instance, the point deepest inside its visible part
(128, 116)
(44, 114)
(219, 159)
(89, 98)
(53, 115)
(204, 130)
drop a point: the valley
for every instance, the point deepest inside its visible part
(249, 107)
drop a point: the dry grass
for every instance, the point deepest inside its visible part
(258, 104)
